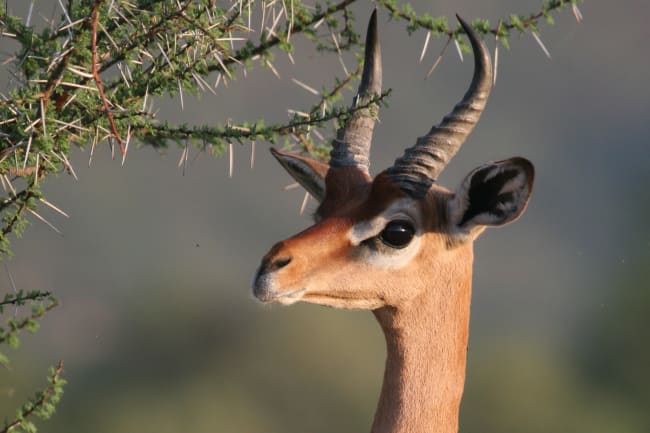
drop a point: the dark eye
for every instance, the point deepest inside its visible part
(397, 234)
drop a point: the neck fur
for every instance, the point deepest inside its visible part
(426, 357)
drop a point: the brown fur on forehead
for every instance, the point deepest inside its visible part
(345, 187)
(383, 192)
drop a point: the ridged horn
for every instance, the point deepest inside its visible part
(351, 147)
(421, 164)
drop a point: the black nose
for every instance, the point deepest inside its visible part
(262, 287)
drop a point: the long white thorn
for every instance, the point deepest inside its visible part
(37, 167)
(438, 59)
(29, 146)
(46, 222)
(426, 45)
(230, 159)
(306, 87)
(92, 146)
(460, 52)
(272, 68)
(53, 207)
(187, 156)
(126, 145)
(252, 154)
(576, 13)
(28, 20)
(43, 118)
(304, 203)
(180, 93)
(338, 50)
(496, 55)
(541, 44)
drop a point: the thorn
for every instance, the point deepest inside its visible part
(496, 64)
(29, 145)
(144, 102)
(338, 50)
(576, 12)
(541, 44)
(36, 170)
(438, 59)
(47, 203)
(162, 52)
(11, 186)
(496, 54)
(426, 44)
(29, 17)
(460, 52)
(230, 159)
(180, 93)
(67, 164)
(290, 21)
(306, 87)
(46, 222)
(275, 23)
(304, 203)
(92, 146)
(187, 156)
(43, 118)
(252, 154)
(272, 68)
(126, 145)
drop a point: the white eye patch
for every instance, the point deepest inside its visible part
(375, 253)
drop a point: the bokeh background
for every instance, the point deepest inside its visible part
(159, 331)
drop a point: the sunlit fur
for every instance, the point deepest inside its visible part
(333, 265)
(420, 294)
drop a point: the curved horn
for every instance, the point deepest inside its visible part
(351, 147)
(421, 164)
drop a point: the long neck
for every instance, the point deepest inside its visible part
(426, 358)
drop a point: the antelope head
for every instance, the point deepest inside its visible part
(387, 241)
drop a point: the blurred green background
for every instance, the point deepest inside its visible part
(159, 331)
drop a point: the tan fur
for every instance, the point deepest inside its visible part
(380, 245)
(423, 308)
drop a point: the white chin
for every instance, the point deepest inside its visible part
(289, 300)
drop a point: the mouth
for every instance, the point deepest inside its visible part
(290, 297)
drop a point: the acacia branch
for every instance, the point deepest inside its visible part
(42, 405)
(440, 27)
(164, 132)
(20, 298)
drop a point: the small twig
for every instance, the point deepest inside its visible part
(20, 299)
(45, 398)
(98, 80)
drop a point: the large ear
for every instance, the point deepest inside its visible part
(308, 172)
(493, 194)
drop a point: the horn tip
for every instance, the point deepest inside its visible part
(372, 25)
(463, 23)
